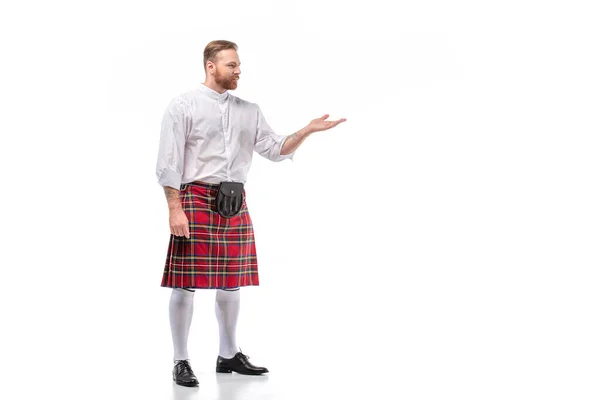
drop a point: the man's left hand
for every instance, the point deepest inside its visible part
(320, 124)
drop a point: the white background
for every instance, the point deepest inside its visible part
(443, 243)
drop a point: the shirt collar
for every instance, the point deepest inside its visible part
(220, 97)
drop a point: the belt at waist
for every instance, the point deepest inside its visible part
(201, 184)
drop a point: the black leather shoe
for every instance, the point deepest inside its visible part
(240, 364)
(183, 374)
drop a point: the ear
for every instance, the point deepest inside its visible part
(210, 67)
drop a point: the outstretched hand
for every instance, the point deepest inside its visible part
(320, 124)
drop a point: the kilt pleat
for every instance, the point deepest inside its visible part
(220, 252)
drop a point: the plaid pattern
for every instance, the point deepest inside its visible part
(220, 252)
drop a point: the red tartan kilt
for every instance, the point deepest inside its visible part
(220, 252)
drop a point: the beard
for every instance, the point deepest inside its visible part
(228, 83)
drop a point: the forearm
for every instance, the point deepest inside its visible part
(293, 141)
(172, 198)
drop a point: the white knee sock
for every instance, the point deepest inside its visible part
(181, 309)
(227, 309)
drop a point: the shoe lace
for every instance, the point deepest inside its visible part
(185, 365)
(243, 356)
(242, 353)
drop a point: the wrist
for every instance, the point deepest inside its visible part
(175, 206)
(305, 132)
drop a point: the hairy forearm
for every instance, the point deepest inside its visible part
(172, 198)
(293, 141)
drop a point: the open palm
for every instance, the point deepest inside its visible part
(320, 124)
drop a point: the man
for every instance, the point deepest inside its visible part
(207, 140)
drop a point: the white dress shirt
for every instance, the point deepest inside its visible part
(210, 137)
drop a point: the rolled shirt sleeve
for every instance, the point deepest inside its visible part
(175, 128)
(267, 143)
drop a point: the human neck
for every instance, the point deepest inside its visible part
(214, 86)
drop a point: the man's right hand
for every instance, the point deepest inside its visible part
(179, 223)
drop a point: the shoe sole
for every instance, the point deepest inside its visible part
(221, 370)
(186, 384)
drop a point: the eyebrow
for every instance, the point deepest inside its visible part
(233, 62)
